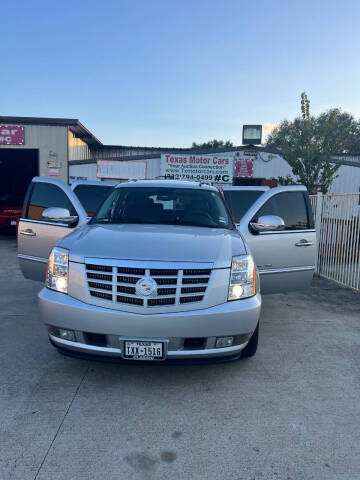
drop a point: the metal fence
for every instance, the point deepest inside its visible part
(337, 223)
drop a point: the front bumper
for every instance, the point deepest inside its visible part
(237, 318)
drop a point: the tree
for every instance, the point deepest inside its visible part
(308, 142)
(212, 144)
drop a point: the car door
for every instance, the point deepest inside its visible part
(286, 258)
(36, 236)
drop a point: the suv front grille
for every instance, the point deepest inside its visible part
(118, 285)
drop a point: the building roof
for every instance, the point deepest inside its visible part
(201, 151)
(73, 123)
(155, 152)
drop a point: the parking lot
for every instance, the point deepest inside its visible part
(291, 412)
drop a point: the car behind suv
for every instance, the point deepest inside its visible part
(161, 271)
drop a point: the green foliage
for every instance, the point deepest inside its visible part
(288, 180)
(308, 142)
(212, 144)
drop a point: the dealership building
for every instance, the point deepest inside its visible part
(66, 150)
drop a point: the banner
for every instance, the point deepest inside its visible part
(11, 135)
(126, 170)
(214, 168)
(244, 167)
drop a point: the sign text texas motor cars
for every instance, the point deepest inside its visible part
(213, 168)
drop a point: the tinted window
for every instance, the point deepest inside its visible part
(45, 195)
(172, 206)
(291, 207)
(239, 201)
(92, 196)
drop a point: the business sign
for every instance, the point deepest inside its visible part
(128, 170)
(250, 153)
(11, 135)
(244, 167)
(215, 168)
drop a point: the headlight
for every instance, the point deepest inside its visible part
(242, 278)
(58, 270)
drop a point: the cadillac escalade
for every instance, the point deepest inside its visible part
(164, 270)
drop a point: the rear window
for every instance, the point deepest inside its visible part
(92, 196)
(239, 201)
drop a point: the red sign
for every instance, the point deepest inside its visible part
(244, 167)
(11, 135)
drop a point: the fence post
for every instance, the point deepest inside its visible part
(318, 223)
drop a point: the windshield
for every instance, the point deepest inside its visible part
(162, 205)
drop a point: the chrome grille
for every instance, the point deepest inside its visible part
(174, 286)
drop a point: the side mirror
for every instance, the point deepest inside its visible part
(59, 215)
(268, 223)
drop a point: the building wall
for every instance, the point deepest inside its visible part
(49, 140)
(348, 180)
(266, 165)
(82, 172)
(273, 166)
(88, 171)
(78, 149)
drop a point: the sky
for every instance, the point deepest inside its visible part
(170, 72)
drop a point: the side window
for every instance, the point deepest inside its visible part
(292, 207)
(239, 201)
(92, 196)
(45, 195)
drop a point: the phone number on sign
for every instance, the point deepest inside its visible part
(212, 178)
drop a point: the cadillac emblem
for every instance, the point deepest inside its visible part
(145, 286)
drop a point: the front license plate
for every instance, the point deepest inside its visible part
(13, 222)
(137, 350)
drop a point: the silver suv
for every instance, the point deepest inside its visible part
(164, 270)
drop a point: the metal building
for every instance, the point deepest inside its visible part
(49, 143)
(65, 149)
(265, 165)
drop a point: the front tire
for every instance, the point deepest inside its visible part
(251, 347)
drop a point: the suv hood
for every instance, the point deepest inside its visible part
(155, 242)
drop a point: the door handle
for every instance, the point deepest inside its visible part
(28, 232)
(303, 243)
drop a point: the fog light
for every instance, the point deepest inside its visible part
(222, 342)
(67, 334)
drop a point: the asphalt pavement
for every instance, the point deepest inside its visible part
(290, 413)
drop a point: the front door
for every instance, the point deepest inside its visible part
(36, 237)
(285, 259)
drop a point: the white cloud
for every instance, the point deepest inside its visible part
(268, 128)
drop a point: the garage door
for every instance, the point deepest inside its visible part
(17, 168)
